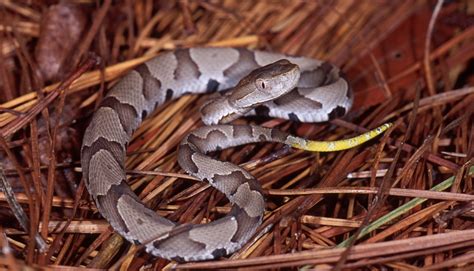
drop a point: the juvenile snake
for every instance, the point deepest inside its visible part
(298, 88)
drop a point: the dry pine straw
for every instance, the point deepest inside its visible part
(311, 204)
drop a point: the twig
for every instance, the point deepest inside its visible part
(18, 211)
(19, 123)
(426, 57)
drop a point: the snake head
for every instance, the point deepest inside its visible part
(265, 84)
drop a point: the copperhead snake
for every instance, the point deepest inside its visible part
(270, 84)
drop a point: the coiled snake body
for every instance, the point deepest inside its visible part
(297, 88)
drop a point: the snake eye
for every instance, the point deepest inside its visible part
(261, 84)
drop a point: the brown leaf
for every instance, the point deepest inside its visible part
(61, 29)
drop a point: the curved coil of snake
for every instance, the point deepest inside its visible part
(272, 84)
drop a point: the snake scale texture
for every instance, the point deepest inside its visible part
(297, 88)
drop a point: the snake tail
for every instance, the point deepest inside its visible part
(337, 145)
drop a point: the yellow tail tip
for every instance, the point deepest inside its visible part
(338, 145)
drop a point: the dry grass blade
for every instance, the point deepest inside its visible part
(18, 212)
(13, 127)
(365, 251)
(426, 59)
(412, 193)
